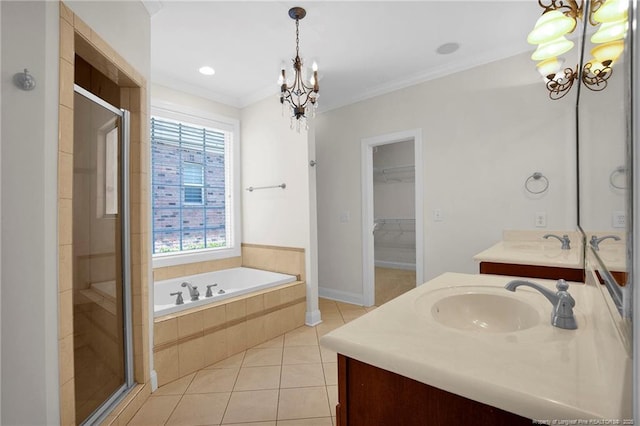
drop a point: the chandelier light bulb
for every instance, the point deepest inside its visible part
(610, 31)
(608, 51)
(550, 26)
(550, 66)
(314, 67)
(612, 11)
(553, 48)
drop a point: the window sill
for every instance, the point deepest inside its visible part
(164, 260)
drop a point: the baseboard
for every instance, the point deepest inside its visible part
(313, 318)
(341, 296)
(154, 381)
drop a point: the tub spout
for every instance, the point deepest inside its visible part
(193, 290)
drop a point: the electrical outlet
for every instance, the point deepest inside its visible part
(437, 215)
(618, 219)
(541, 220)
(345, 217)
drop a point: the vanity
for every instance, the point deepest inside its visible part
(463, 347)
(529, 254)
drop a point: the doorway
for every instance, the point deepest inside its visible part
(101, 278)
(393, 245)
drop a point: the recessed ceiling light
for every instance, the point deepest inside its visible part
(207, 70)
(447, 48)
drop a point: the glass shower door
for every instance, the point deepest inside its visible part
(101, 300)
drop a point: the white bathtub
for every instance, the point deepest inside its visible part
(234, 282)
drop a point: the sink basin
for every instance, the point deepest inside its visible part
(480, 312)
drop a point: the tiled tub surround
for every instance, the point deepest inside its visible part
(529, 248)
(187, 341)
(224, 284)
(542, 372)
(286, 260)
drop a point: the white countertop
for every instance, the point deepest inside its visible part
(539, 253)
(540, 373)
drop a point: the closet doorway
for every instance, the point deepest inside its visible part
(392, 215)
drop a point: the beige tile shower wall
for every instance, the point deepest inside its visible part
(186, 269)
(65, 217)
(286, 260)
(186, 342)
(76, 37)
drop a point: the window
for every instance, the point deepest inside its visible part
(192, 188)
(192, 183)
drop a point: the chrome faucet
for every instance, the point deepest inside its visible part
(595, 241)
(193, 290)
(566, 242)
(563, 303)
(179, 300)
(209, 292)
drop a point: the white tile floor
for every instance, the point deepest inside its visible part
(287, 381)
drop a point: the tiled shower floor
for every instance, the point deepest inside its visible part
(289, 380)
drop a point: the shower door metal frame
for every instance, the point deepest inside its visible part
(103, 410)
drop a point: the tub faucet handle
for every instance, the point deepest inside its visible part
(179, 300)
(209, 292)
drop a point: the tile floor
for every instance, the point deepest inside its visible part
(287, 381)
(391, 283)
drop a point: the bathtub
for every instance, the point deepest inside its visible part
(230, 283)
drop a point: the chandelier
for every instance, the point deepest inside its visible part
(300, 96)
(559, 19)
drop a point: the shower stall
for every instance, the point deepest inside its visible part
(103, 366)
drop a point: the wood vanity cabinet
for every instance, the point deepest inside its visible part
(532, 271)
(371, 396)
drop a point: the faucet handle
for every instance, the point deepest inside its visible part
(179, 300)
(562, 285)
(209, 292)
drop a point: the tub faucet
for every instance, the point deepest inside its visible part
(209, 292)
(563, 303)
(566, 243)
(193, 291)
(179, 300)
(595, 241)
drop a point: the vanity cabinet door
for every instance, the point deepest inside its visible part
(369, 396)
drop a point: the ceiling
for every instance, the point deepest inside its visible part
(363, 48)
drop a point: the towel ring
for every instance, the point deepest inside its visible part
(612, 177)
(537, 176)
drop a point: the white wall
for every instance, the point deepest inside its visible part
(125, 25)
(171, 97)
(485, 131)
(272, 154)
(29, 205)
(603, 148)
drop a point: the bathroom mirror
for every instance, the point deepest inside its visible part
(604, 170)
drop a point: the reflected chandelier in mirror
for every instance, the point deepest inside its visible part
(560, 19)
